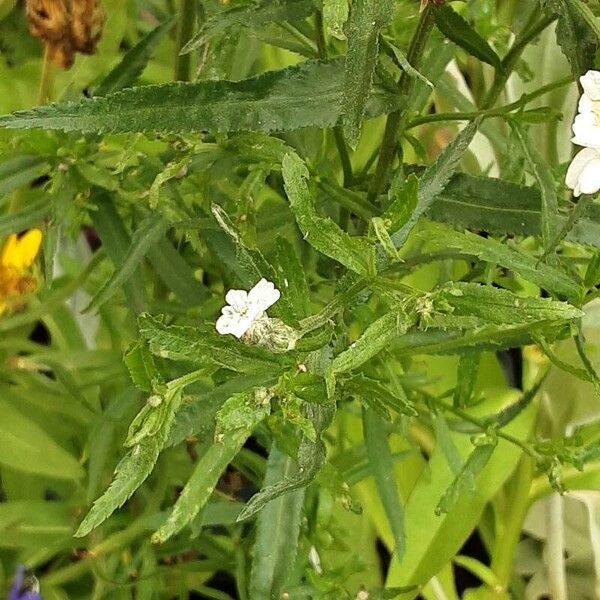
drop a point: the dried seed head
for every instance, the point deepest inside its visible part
(65, 27)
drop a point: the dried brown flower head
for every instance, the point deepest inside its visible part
(66, 27)
(424, 3)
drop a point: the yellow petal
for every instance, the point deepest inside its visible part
(19, 253)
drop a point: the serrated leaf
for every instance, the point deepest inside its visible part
(277, 530)
(404, 203)
(322, 233)
(20, 171)
(543, 174)
(492, 251)
(435, 178)
(378, 396)
(464, 479)
(382, 467)
(251, 15)
(134, 62)
(291, 278)
(575, 37)
(335, 15)
(130, 473)
(306, 95)
(367, 19)
(141, 367)
(466, 377)
(242, 410)
(459, 31)
(201, 484)
(151, 230)
(202, 345)
(382, 234)
(311, 457)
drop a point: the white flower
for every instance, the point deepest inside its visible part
(583, 175)
(586, 126)
(244, 308)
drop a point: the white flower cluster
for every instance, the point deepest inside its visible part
(245, 308)
(583, 175)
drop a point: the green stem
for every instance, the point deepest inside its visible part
(397, 119)
(508, 538)
(185, 29)
(511, 59)
(46, 78)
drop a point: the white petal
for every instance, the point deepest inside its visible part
(578, 166)
(263, 295)
(236, 326)
(591, 84)
(238, 299)
(586, 130)
(589, 180)
(586, 104)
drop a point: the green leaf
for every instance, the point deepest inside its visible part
(243, 410)
(203, 345)
(277, 530)
(543, 174)
(250, 15)
(436, 177)
(321, 232)
(125, 73)
(367, 19)
(176, 274)
(26, 447)
(20, 171)
(382, 234)
(116, 242)
(403, 204)
(463, 481)
(198, 417)
(151, 230)
(382, 467)
(291, 279)
(141, 367)
(335, 15)
(32, 215)
(306, 95)
(131, 472)
(311, 457)
(492, 251)
(445, 442)
(466, 377)
(378, 336)
(379, 397)
(201, 484)
(575, 37)
(459, 31)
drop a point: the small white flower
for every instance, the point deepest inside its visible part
(244, 308)
(586, 126)
(583, 175)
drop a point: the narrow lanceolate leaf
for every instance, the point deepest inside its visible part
(20, 171)
(356, 253)
(311, 457)
(456, 29)
(307, 95)
(543, 174)
(492, 251)
(382, 467)
(367, 19)
(436, 177)
(466, 377)
(463, 481)
(577, 40)
(201, 484)
(376, 338)
(335, 15)
(31, 216)
(133, 63)
(148, 233)
(130, 473)
(249, 15)
(277, 529)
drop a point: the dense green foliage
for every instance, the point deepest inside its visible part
(420, 416)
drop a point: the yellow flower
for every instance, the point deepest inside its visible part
(16, 257)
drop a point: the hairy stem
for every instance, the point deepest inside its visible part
(185, 29)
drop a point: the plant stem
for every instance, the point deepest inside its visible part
(555, 547)
(397, 119)
(511, 59)
(508, 538)
(46, 78)
(185, 29)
